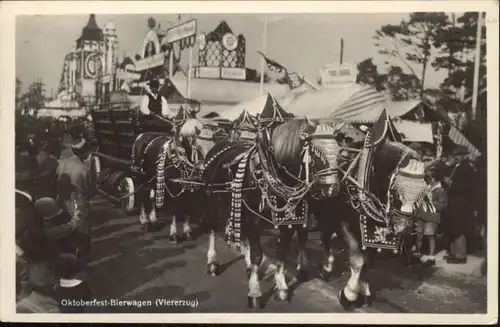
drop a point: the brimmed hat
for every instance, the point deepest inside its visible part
(48, 208)
(460, 150)
(80, 146)
(154, 83)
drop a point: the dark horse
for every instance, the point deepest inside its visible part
(269, 178)
(377, 211)
(169, 163)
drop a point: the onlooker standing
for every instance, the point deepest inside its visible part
(76, 186)
(459, 218)
(45, 183)
(431, 216)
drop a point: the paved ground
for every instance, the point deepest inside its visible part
(128, 265)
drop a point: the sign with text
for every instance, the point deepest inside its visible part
(338, 75)
(208, 72)
(234, 73)
(126, 75)
(181, 31)
(150, 62)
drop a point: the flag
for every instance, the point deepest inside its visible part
(292, 79)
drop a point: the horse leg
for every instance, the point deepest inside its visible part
(255, 293)
(143, 218)
(350, 295)
(245, 249)
(285, 238)
(326, 269)
(152, 212)
(302, 262)
(212, 260)
(186, 229)
(173, 229)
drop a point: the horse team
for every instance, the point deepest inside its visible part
(292, 169)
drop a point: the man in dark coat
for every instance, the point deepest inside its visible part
(45, 183)
(459, 218)
(154, 105)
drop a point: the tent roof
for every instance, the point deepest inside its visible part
(224, 91)
(356, 102)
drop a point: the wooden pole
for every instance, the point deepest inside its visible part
(262, 60)
(341, 51)
(190, 72)
(171, 62)
(476, 65)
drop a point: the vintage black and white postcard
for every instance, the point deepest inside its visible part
(255, 162)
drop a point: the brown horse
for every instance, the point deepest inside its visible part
(376, 212)
(270, 178)
(166, 161)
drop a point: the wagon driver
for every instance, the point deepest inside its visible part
(154, 103)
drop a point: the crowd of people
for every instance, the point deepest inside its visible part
(458, 206)
(52, 225)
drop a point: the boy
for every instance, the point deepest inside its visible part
(430, 216)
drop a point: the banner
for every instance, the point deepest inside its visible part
(292, 79)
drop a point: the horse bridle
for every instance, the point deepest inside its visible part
(310, 148)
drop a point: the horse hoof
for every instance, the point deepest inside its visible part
(325, 275)
(174, 239)
(345, 303)
(302, 276)
(254, 303)
(213, 269)
(365, 301)
(281, 295)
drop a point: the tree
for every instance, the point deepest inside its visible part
(411, 42)
(18, 93)
(457, 44)
(368, 74)
(35, 98)
(402, 86)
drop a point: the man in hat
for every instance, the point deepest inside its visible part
(155, 103)
(76, 186)
(58, 227)
(459, 218)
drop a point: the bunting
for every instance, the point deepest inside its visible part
(292, 79)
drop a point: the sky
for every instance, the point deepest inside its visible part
(301, 42)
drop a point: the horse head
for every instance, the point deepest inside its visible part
(197, 138)
(303, 143)
(401, 176)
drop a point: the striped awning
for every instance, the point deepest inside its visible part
(458, 138)
(355, 103)
(365, 105)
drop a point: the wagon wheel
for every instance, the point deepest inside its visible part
(96, 166)
(126, 186)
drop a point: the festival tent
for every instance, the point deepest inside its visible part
(252, 107)
(356, 103)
